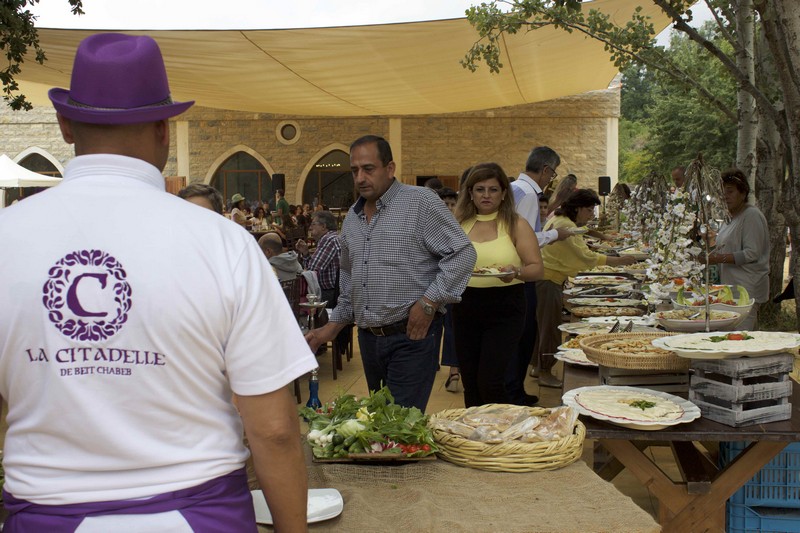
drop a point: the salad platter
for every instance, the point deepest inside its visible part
(729, 345)
(372, 430)
(632, 407)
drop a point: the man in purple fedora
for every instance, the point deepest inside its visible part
(127, 329)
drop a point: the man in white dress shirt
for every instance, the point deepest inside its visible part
(540, 169)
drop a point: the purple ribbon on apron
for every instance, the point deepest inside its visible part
(221, 504)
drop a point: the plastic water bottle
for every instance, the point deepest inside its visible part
(313, 391)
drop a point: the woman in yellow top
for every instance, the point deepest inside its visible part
(489, 320)
(563, 259)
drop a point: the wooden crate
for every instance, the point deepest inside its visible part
(743, 391)
(672, 382)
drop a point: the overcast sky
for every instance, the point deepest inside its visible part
(242, 14)
(249, 14)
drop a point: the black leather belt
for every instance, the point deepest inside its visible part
(389, 329)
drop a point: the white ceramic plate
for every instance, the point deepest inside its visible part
(602, 280)
(607, 302)
(323, 504)
(490, 275)
(575, 357)
(623, 320)
(690, 410)
(639, 256)
(576, 328)
(698, 324)
(700, 346)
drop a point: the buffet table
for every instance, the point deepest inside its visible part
(438, 496)
(697, 502)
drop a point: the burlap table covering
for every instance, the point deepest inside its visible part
(436, 496)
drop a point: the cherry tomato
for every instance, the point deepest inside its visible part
(412, 448)
(426, 447)
(736, 337)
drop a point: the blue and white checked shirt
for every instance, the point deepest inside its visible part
(412, 247)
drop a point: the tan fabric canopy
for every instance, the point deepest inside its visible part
(394, 69)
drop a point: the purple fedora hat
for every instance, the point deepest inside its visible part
(117, 79)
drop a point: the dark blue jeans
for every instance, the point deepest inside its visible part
(407, 367)
(448, 340)
(518, 365)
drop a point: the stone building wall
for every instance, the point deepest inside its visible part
(577, 127)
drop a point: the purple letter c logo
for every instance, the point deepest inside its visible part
(72, 297)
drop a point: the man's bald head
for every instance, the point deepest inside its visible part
(271, 244)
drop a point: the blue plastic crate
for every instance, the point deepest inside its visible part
(776, 485)
(744, 519)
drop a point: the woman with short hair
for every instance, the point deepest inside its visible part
(742, 245)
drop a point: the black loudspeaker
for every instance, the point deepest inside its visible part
(604, 185)
(278, 182)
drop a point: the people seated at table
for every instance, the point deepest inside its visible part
(292, 232)
(260, 220)
(238, 213)
(202, 195)
(285, 263)
(742, 245)
(325, 259)
(489, 320)
(302, 220)
(563, 259)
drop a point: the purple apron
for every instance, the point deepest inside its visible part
(218, 505)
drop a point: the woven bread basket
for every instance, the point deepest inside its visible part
(510, 456)
(666, 361)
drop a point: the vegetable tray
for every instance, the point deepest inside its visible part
(374, 458)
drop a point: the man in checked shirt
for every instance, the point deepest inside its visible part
(404, 257)
(325, 259)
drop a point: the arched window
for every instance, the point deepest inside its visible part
(244, 174)
(330, 182)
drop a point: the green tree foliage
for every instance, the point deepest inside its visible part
(664, 122)
(17, 36)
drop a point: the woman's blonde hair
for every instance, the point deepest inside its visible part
(566, 186)
(465, 208)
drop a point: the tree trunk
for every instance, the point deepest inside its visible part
(770, 174)
(780, 20)
(746, 104)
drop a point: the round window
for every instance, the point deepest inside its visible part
(288, 132)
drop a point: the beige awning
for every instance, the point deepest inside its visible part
(394, 69)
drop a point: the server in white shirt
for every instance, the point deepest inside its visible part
(127, 329)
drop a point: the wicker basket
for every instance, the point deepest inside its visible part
(666, 362)
(508, 456)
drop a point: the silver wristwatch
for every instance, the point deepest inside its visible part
(427, 308)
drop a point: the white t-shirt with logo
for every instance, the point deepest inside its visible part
(127, 318)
